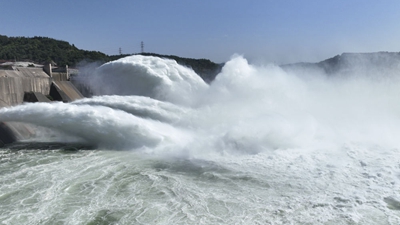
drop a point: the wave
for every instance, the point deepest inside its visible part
(162, 79)
(98, 125)
(247, 109)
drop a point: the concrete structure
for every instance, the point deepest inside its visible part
(19, 84)
(64, 91)
(6, 135)
(47, 68)
(35, 97)
(14, 83)
(60, 74)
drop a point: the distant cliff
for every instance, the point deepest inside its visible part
(363, 64)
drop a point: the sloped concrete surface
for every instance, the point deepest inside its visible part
(66, 90)
(35, 97)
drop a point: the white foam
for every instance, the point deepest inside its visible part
(260, 144)
(247, 108)
(98, 125)
(140, 106)
(161, 79)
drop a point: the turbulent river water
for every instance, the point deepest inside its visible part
(259, 145)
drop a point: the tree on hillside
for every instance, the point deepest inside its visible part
(41, 49)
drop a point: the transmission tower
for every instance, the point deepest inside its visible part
(142, 47)
(120, 51)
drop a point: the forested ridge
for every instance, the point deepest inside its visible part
(43, 49)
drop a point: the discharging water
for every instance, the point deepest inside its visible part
(257, 146)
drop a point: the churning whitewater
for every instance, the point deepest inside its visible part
(259, 145)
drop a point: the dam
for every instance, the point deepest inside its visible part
(26, 82)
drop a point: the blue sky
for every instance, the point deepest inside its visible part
(262, 30)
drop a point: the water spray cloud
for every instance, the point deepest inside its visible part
(247, 108)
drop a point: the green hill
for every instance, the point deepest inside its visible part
(41, 49)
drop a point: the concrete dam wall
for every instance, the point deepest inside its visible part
(24, 84)
(14, 84)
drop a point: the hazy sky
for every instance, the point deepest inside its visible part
(280, 31)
